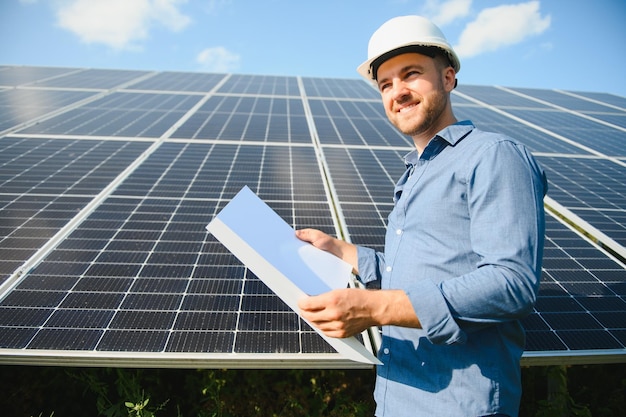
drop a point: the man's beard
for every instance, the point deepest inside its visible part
(430, 110)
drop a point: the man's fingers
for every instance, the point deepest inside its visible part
(304, 234)
(310, 235)
(310, 304)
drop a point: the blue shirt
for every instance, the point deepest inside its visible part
(465, 242)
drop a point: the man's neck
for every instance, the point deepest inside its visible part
(421, 140)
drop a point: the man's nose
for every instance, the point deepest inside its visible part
(400, 90)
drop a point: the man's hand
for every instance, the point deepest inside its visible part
(346, 312)
(339, 248)
(339, 313)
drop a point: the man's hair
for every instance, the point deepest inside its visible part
(440, 56)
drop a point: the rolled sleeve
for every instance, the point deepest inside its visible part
(434, 314)
(370, 264)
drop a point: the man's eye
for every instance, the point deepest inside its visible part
(384, 86)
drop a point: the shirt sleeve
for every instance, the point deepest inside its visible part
(370, 265)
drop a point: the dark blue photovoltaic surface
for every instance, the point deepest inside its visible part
(105, 193)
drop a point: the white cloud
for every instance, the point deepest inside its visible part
(213, 6)
(120, 24)
(501, 26)
(442, 13)
(218, 59)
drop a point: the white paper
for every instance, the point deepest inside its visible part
(291, 268)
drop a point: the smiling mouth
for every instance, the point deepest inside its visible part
(407, 108)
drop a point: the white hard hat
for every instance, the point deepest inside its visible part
(404, 34)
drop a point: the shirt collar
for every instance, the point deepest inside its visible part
(456, 132)
(451, 134)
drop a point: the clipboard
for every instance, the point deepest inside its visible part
(291, 268)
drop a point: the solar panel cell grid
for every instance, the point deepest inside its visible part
(594, 189)
(563, 318)
(609, 99)
(261, 85)
(120, 114)
(143, 278)
(178, 81)
(496, 97)
(18, 106)
(563, 100)
(358, 123)
(246, 118)
(38, 173)
(535, 140)
(23, 75)
(589, 133)
(617, 119)
(92, 78)
(337, 88)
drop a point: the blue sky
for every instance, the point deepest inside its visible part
(575, 45)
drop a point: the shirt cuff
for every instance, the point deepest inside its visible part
(368, 264)
(434, 315)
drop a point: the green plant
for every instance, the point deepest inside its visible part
(140, 409)
(558, 401)
(598, 390)
(128, 386)
(294, 393)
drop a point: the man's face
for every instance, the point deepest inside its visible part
(413, 93)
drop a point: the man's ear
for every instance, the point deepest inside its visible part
(449, 79)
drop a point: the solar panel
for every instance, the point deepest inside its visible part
(496, 96)
(119, 114)
(45, 182)
(588, 133)
(593, 189)
(19, 106)
(536, 140)
(608, 99)
(176, 81)
(338, 88)
(247, 118)
(566, 101)
(91, 78)
(580, 312)
(11, 76)
(108, 179)
(354, 123)
(261, 85)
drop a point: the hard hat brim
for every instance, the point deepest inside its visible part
(365, 69)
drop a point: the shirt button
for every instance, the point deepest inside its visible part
(399, 231)
(388, 269)
(386, 351)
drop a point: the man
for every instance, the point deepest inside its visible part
(463, 247)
